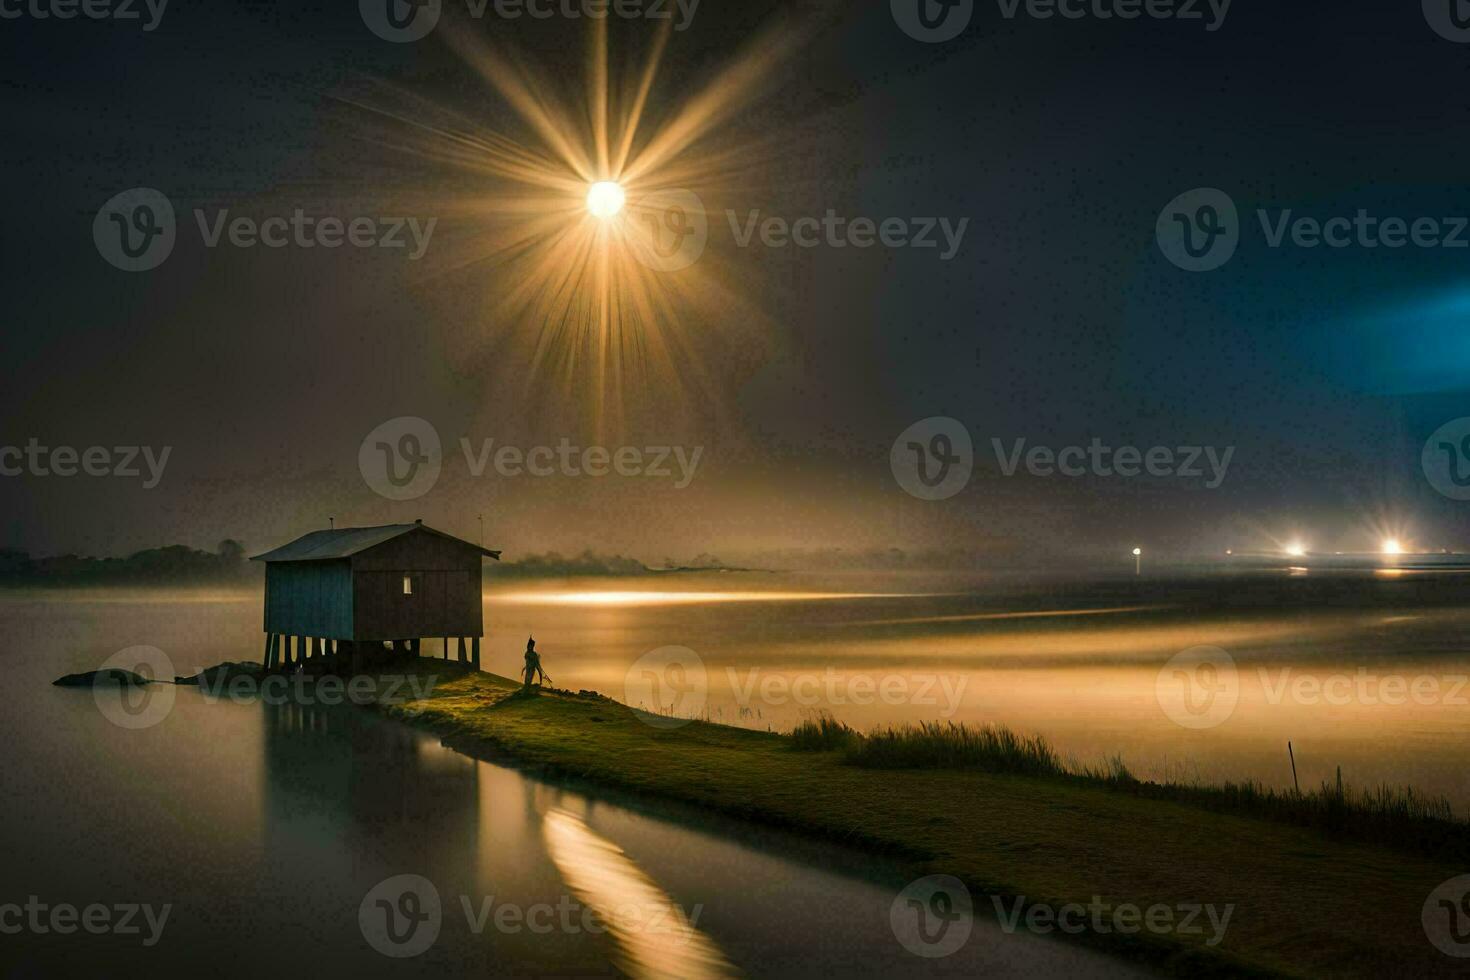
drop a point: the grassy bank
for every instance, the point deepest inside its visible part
(1307, 899)
(1392, 816)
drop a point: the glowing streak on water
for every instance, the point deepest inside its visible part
(651, 934)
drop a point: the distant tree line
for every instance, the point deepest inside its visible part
(554, 565)
(172, 565)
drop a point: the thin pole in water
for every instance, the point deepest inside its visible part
(1294, 782)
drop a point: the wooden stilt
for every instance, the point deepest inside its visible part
(462, 655)
(316, 647)
(266, 657)
(475, 651)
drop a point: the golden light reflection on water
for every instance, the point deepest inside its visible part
(653, 598)
(651, 934)
(1033, 614)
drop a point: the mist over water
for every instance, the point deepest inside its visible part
(265, 828)
(1358, 669)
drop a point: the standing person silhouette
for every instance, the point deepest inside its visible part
(533, 665)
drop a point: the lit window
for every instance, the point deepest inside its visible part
(408, 585)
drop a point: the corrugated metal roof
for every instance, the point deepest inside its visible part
(348, 541)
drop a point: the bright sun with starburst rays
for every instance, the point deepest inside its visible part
(568, 223)
(605, 199)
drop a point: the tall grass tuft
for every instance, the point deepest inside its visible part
(932, 745)
(822, 734)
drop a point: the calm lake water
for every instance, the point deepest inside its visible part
(266, 829)
(266, 826)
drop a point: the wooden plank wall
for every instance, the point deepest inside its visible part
(447, 585)
(310, 598)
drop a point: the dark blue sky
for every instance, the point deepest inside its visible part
(1060, 319)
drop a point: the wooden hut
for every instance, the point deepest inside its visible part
(362, 591)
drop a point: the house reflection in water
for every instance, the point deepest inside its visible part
(355, 794)
(352, 799)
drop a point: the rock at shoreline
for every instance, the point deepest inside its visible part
(110, 677)
(222, 674)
